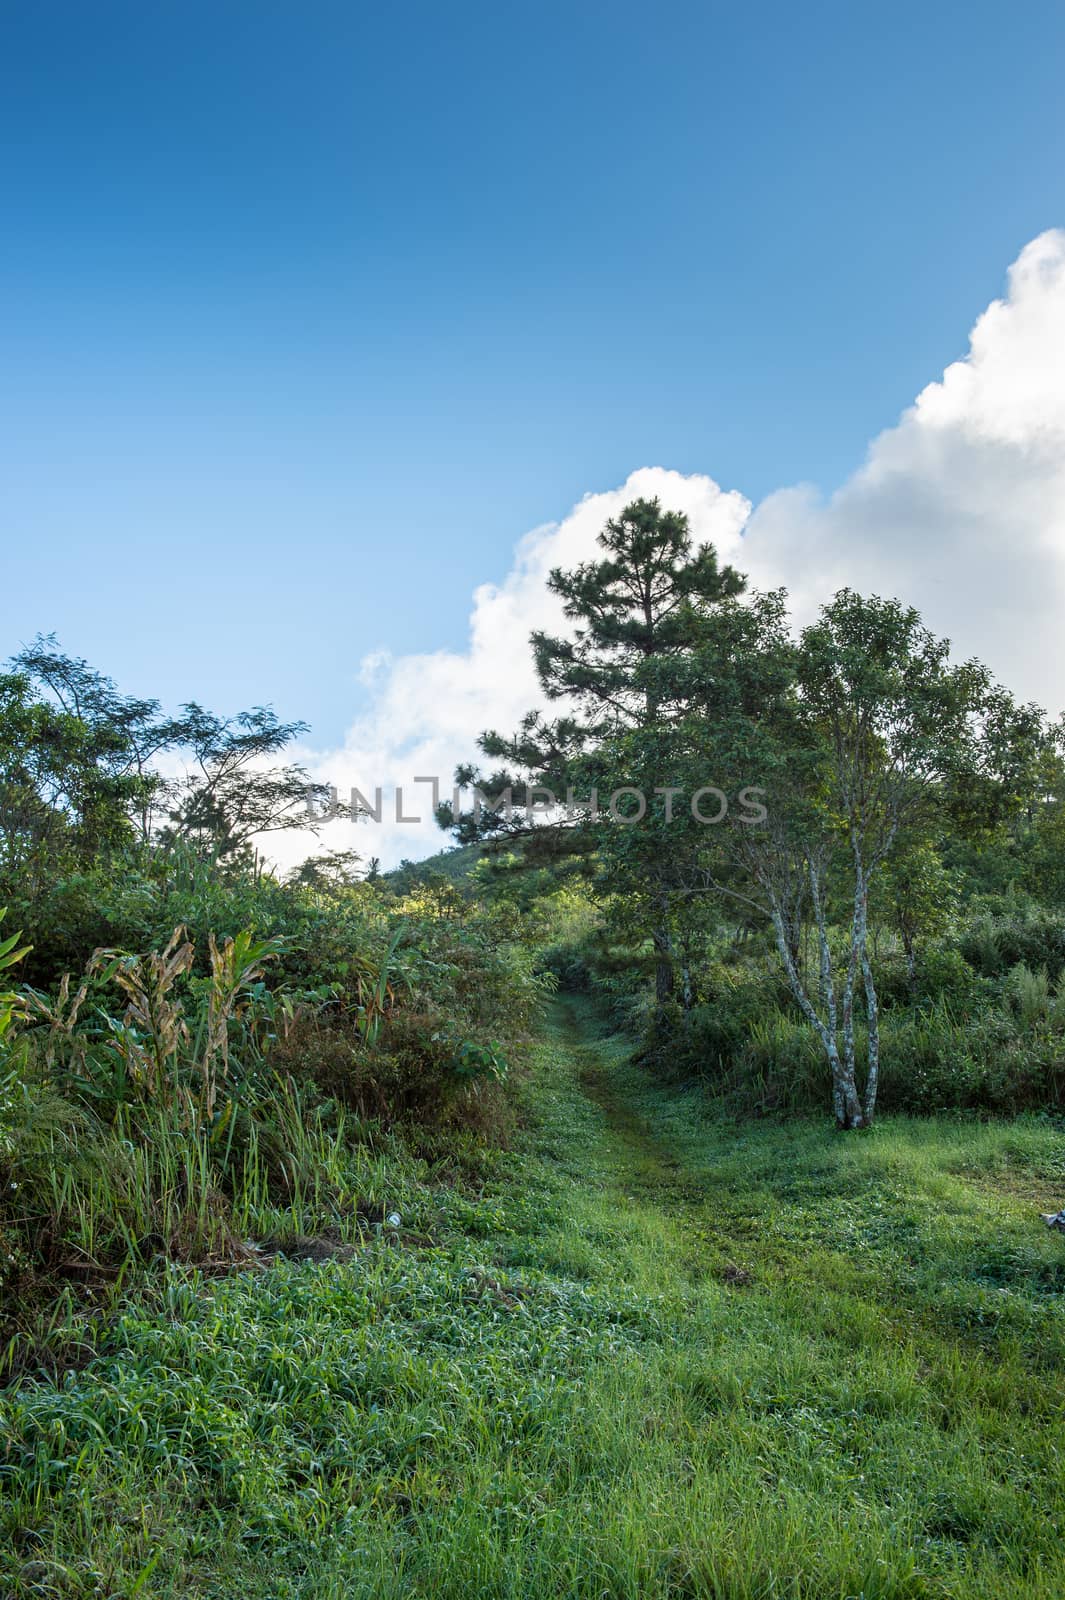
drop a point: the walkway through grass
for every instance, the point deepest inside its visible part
(657, 1355)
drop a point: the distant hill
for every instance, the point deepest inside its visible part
(455, 864)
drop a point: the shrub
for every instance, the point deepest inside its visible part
(940, 972)
(569, 966)
(175, 1102)
(1028, 995)
(957, 1052)
(993, 942)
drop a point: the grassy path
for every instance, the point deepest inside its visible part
(653, 1355)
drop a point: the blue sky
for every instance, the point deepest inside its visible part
(308, 312)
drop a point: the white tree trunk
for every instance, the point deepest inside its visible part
(845, 1102)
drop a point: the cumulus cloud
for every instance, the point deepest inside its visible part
(425, 711)
(959, 509)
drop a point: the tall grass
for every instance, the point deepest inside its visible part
(995, 1047)
(206, 1112)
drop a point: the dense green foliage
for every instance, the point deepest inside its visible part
(196, 1057)
(976, 1022)
(832, 916)
(177, 1103)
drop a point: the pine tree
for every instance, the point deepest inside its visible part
(635, 609)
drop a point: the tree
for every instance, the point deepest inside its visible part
(722, 705)
(63, 796)
(330, 873)
(917, 897)
(881, 734)
(79, 766)
(127, 733)
(633, 607)
(636, 611)
(232, 793)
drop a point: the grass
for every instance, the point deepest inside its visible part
(98, 1197)
(650, 1354)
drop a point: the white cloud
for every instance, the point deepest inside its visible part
(426, 711)
(958, 509)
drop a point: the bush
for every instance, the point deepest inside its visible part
(569, 966)
(997, 1049)
(418, 1068)
(940, 972)
(928, 1062)
(995, 942)
(747, 1042)
(178, 1102)
(933, 1061)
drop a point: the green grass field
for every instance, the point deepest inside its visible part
(648, 1354)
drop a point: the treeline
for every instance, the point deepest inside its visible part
(889, 925)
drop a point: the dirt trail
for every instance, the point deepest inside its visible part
(643, 1164)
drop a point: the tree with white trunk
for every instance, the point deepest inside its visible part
(881, 733)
